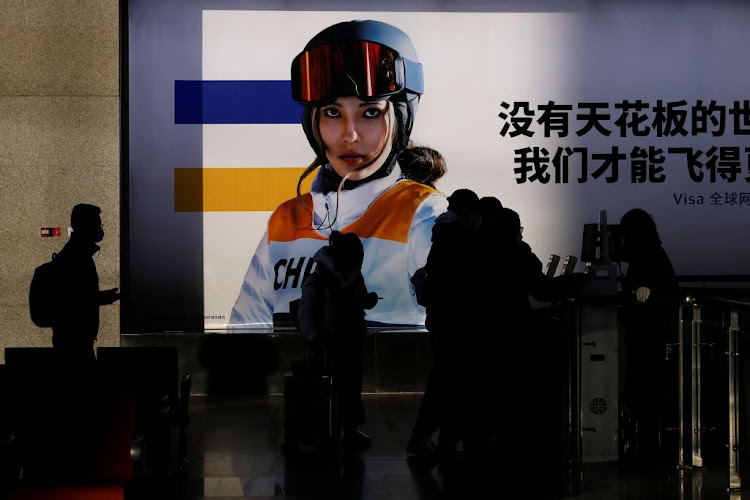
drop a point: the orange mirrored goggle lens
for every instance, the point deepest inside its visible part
(353, 68)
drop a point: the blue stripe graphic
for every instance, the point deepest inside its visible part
(253, 101)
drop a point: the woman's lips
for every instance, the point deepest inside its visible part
(352, 159)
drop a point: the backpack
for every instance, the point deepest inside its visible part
(42, 293)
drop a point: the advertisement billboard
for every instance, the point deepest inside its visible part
(561, 110)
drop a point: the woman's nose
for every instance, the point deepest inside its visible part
(351, 133)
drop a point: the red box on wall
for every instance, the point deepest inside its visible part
(50, 232)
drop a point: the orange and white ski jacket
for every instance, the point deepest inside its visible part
(392, 216)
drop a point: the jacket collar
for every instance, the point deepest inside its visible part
(81, 247)
(352, 203)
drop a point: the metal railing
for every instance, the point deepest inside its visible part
(729, 305)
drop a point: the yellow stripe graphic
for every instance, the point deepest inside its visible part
(235, 189)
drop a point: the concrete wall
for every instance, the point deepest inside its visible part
(59, 145)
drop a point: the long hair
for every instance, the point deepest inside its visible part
(639, 230)
(422, 164)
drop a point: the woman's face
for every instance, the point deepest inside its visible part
(354, 133)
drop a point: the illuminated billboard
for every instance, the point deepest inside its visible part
(561, 111)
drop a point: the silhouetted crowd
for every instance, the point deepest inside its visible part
(476, 287)
(497, 383)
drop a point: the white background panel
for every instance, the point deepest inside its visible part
(466, 77)
(253, 145)
(229, 242)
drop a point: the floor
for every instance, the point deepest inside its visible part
(234, 452)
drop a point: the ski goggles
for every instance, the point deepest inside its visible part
(359, 68)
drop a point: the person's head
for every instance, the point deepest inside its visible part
(465, 204)
(360, 83)
(638, 230)
(348, 249)
(489, 207)
(86, 222)
(422, 164)
(510, 227)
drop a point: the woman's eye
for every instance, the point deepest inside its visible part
(331, 112)
(372, 113)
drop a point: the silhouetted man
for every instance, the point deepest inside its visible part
(448, 292)
(76, 322)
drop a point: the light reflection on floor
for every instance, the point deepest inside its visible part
(235, 452)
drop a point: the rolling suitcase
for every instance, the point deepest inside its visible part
(311, 420)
